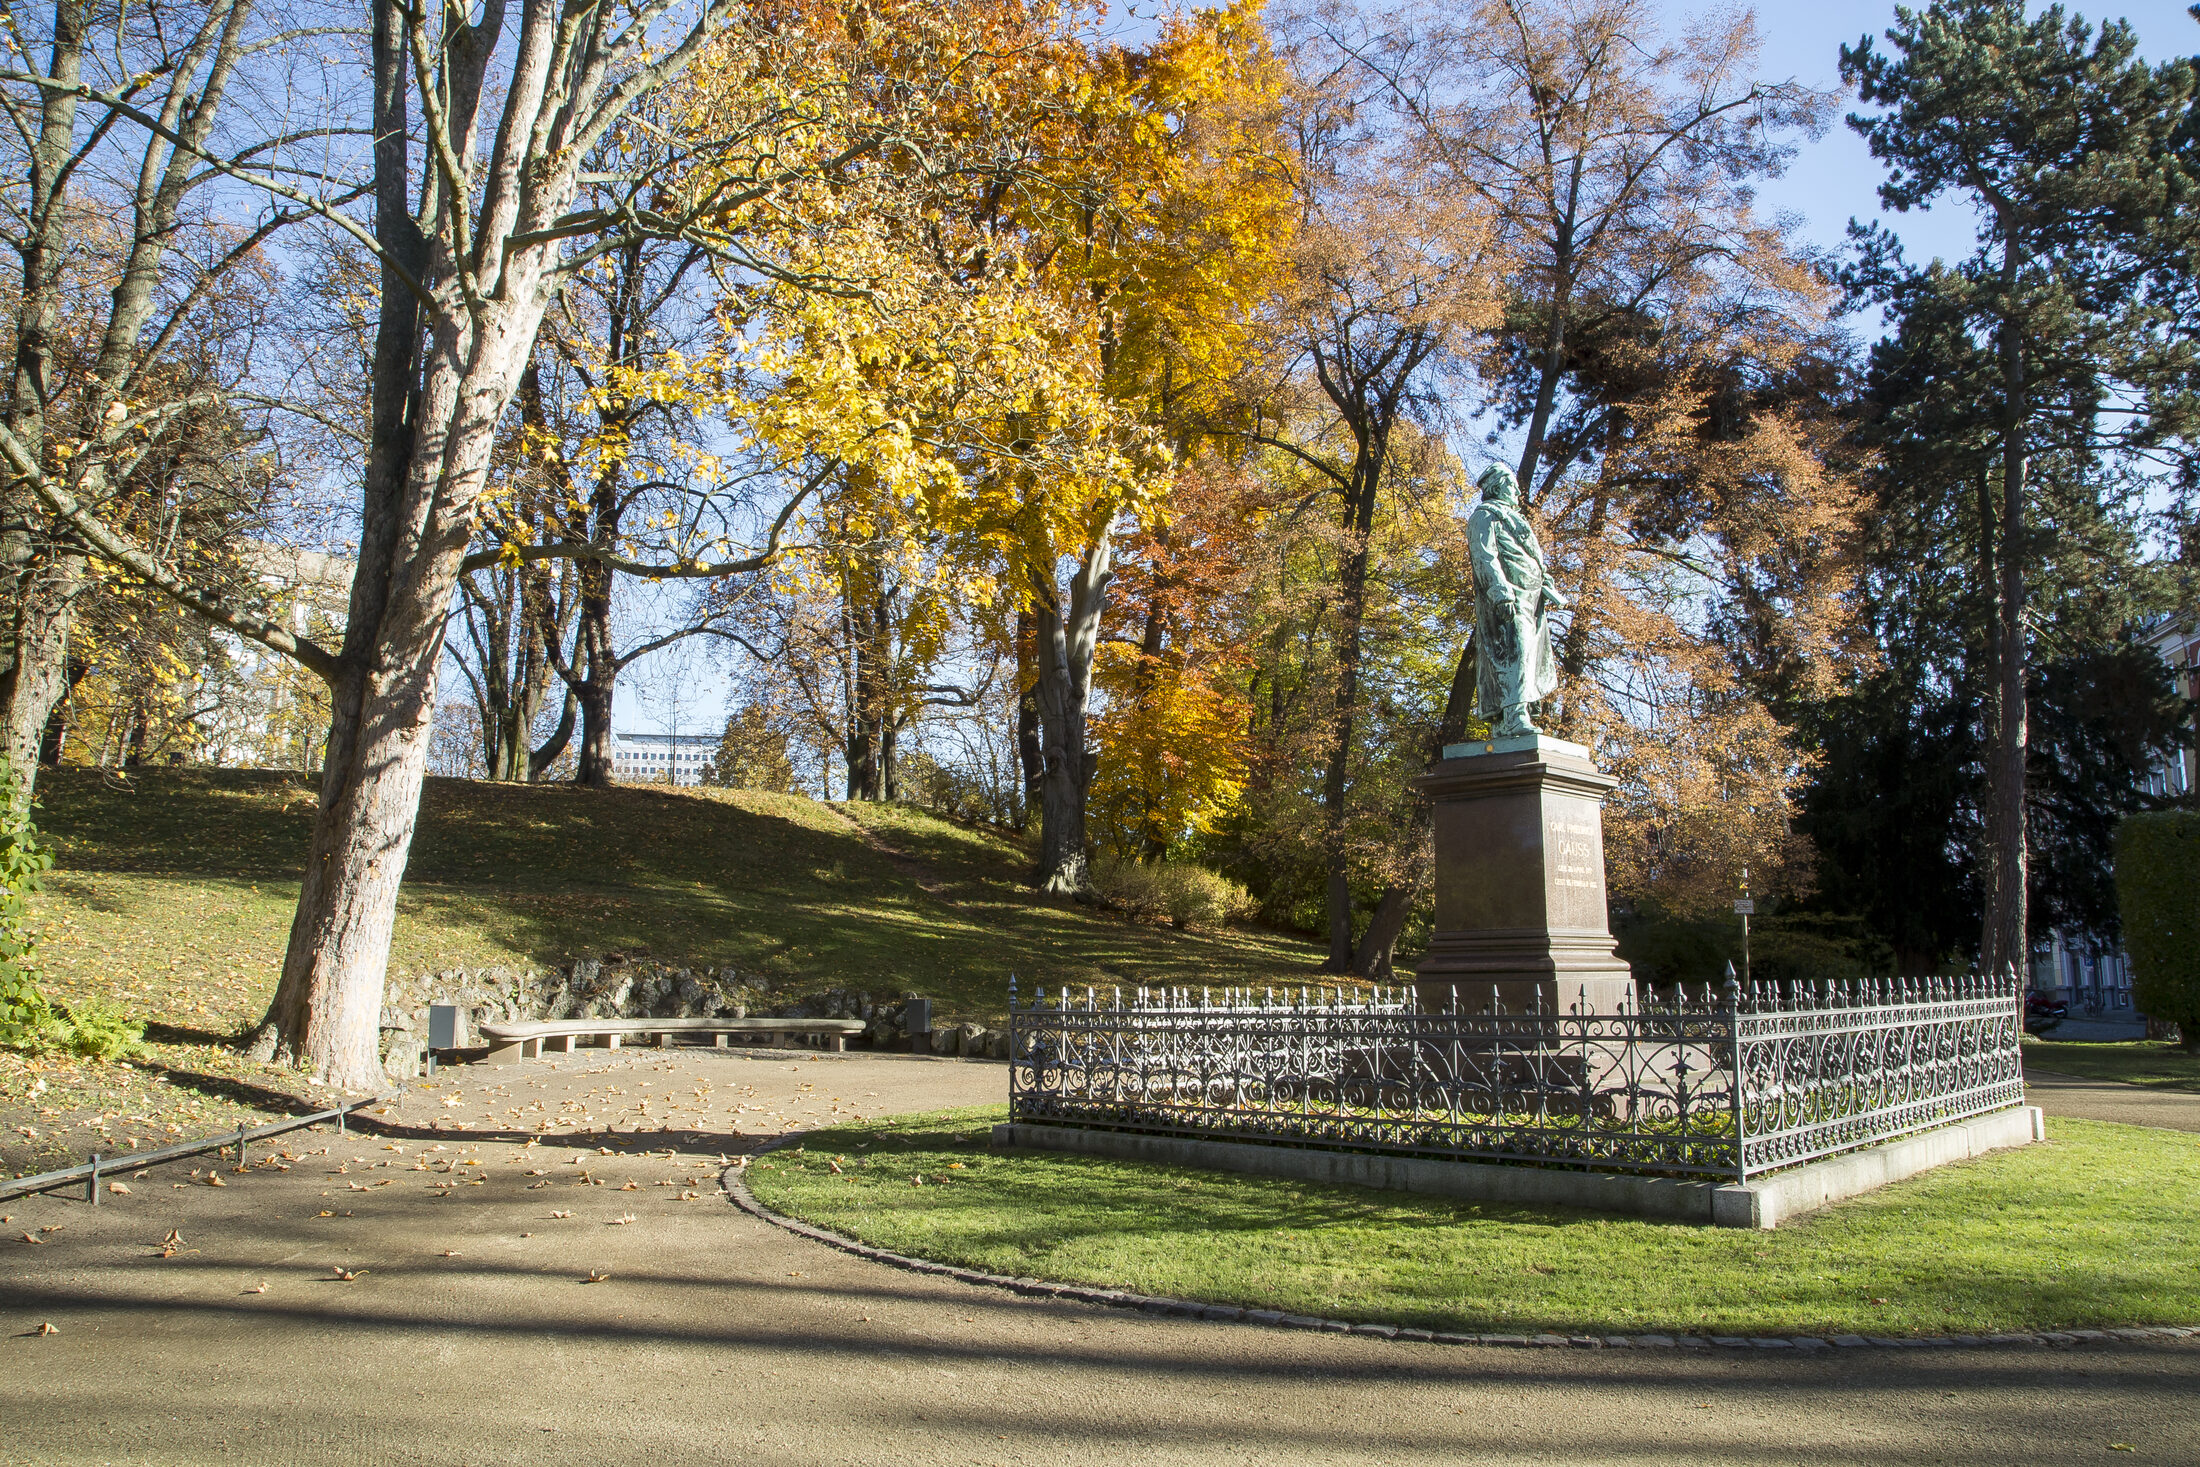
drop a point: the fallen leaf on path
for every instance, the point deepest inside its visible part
(346, 1275)
(596, 1278)
(452, 1253)
(45, 1328)
(257, 1289)
(122, 1187)
(561, 1214)
(622, 1219)
(28, 1238)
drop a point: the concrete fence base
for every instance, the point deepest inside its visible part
(1763, 1202)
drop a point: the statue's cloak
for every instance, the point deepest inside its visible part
(1511, 616)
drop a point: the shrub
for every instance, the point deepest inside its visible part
(26, 1020)
(100, 1031)
(1178, 891)
(2158, 891)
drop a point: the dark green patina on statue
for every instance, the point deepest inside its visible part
(1513, 602)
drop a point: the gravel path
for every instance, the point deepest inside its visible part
(2105, 1100)
(468, 1333)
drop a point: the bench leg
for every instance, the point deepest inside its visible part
(566, 1043)
(779, 1041)
(506, 1054)
(611, 1041)
(718, 1040)
(664, 1041)
(530, 1049)
(837, 1043)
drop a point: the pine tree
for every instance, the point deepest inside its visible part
(2065, 145)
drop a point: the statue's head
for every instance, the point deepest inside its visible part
(1498, 485)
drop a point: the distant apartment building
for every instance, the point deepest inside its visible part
(657, 758)
(2070, 966)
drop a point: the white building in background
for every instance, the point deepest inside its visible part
(2178, 642)
(655, 758)
(2076, 970)
(276, 715)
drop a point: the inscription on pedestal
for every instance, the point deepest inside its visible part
(1520, 911)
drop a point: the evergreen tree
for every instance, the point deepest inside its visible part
(2066, 146)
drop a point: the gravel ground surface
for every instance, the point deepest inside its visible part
(2104, 1100)
(198, 1323)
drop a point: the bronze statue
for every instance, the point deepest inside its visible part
(1513, 603)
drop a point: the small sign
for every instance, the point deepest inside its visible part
(444, 1028)
(1746, 907)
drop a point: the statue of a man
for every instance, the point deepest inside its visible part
(1512, 608)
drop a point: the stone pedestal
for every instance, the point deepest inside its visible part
(1519, 829)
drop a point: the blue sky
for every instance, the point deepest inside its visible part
(1835, 179)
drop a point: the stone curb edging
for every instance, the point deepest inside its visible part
(737, 1188)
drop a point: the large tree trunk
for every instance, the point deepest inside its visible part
(2005, 943)
(1344, 726)
(54, 742)
(863, 622)
(539, 761)
(37, 674)
(598, 689)
(328, 1005)
(593, 767)
(427, 462)
(40, 594)
(1030, 753)
(1066, 637)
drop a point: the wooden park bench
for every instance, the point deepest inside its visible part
(509, 1043)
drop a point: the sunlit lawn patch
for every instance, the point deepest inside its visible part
(2099, 1225)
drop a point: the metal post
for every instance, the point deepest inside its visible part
(91, 1185)
(1745, 908)
(240, 1148)
(340, 1120)
(1740, 1099)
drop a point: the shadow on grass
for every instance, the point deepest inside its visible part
(240, 1092)
(159, 1033)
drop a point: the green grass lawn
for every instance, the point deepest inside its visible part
(172, 896)
(2154, 1062)
(2099, 1225)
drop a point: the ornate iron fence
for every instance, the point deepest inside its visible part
(1707, 1082)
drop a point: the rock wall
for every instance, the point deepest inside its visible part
(611, 988)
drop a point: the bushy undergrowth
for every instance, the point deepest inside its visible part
(27, 1021)
(95, 1030)
(1179, 892)
(2158, 884)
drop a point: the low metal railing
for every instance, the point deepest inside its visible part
(1727, 1083)
(90, 1172)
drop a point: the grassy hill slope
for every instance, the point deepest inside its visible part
(172, 894)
